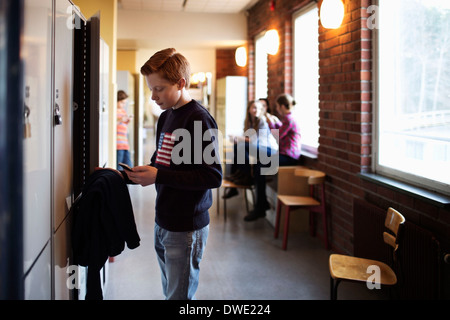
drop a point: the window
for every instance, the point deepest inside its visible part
(306, 75)
(260, 67)
(412, 100)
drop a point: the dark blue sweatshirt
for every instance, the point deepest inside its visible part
(186, 172)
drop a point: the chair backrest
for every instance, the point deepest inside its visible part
(394, 220)
(296, 180)
(316, 177)
(291, 185)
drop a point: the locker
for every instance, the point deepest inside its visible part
(37, 146)
(37, 280)
(62, 97)
(11, 151)
(61, 127)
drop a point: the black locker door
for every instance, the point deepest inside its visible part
(86, 100)
(11, 153)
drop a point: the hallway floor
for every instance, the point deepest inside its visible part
(242, 261)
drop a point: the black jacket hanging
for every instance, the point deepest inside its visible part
(103, 223)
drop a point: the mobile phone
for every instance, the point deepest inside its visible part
(125, 166)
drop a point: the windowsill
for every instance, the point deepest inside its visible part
(416, 192)
(308, 154)
(307, 159)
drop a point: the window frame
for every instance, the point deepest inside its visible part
(308, 150)
(377, 168)
(260, 37)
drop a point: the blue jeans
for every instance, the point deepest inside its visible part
(124, 157)
(287, 161)
(179, 255)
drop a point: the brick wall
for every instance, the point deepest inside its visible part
(226, 64)
(345, 116)
(260, 19)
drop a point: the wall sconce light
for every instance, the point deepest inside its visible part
(241, 56)
(331, 13)
(198, 77)
(272, 41)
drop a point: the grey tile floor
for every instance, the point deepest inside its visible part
(242, 261)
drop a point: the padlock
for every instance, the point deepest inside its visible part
(58, 118)
(26, 115)
(26, 125)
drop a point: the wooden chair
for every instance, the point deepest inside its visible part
(228, 149)
(226, 184)
(348, 268)
(296, 190)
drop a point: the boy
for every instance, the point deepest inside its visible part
(182, 177)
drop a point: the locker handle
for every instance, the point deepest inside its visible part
(57, 116)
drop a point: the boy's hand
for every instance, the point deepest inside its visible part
(143, 175)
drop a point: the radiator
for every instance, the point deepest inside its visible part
(419, 252)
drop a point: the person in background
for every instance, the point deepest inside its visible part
(183, 187)
(241, 172)
(265, 104)
(267, 107)
(259, 141)
(123, 148)
(289, 137)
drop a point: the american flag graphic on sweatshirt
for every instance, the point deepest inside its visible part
(165, 146)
